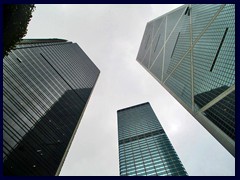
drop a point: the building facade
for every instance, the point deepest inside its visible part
(46, 86)
(144, 148)
(190, 51)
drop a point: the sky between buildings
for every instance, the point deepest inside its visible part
(111, 35)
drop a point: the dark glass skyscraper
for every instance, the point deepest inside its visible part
(190, 51)
(46, 86)
(144, 148)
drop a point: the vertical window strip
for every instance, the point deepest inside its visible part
(186, 11)
(147, 41)
(175, 45)
(157, 43)
(219, 48)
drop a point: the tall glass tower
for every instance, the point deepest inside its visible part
(144, 148)
(190, 51)
(46, 86)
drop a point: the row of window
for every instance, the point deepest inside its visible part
(40, 119)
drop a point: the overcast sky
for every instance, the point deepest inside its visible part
(111, 35)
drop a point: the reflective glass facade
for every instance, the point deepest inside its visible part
(46, 87)
(191, 52)
(144, 148)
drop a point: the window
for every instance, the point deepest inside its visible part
(175, 44)
(157, 42)
(147, 41)
(219, 48)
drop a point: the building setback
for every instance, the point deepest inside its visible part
(144, 148)
(190, 51)
(46, 86)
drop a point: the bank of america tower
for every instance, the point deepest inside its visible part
(190, 51)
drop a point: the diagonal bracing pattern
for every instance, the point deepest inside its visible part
(192, 54)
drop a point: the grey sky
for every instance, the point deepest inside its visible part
(111, 35)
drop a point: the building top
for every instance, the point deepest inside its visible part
(30, 43)
(168, 12)
(33, 41)
(133, 106)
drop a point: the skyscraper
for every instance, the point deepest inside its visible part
(190, 51)
(144, 148)
(46, 86)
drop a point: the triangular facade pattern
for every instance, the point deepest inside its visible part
(192, 54)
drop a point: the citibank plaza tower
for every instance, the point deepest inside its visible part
(46, 86)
